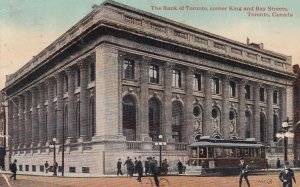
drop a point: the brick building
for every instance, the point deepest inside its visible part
(121, 76)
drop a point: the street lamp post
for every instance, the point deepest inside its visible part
(160, 143)
(285, 133)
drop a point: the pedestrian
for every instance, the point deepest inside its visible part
(243, 172)
(165, 166)
(13, 169)
(55, 166)
(147, 166)
(46, 166)
(135, 162)
(154, 170)
(180, 166)
(139, 169)
(267, 164)
(278, 163)
(287, 175)
(119, 166)
(127, 166)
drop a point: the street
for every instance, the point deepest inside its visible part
(269, 180)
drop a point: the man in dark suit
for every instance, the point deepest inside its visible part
(287, 176)
(139, 169)
(119, 166)
(13, 169)
(154, 170)
(243, 172)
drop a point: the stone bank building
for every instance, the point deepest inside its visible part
(120, 77)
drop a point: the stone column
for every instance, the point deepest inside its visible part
(207, 119)
(241, 128)
(21, 122)
(188, 128)
(224, 128)
(42, 115)
(167, 117)
(283, 115)
(50, 111)
(10, 123)
(144, 102)
(256, 112)
(84, 77)
(27, 132)
(71, 105)
(34, 116)
(270, 116)
(16, 122)
(107, 92)
(60, 106)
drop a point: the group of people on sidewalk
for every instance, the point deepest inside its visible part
(137, 166)
(53, 169)
(286, 175)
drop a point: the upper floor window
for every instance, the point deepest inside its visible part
(128, 69)
(215, 85)
(92, 71)
(197, 82)
(232, 90)
(78, 77)
(247, 92)
(275, 97)
(262, 94)
(176, 78)
(46, 92)
(154, 74)
(55, 88)
(66, 83)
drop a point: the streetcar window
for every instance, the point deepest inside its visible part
(210, 152)
(203, 152)
(218, 152)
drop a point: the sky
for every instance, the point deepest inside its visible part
(29, 26)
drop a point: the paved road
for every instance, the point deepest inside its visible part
(270, 180)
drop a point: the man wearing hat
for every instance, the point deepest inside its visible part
(287, 175)
(243, 172)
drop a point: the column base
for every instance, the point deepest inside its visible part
(109, 137)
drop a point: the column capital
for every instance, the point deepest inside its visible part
(169, 65)
(146, 59)
(69, 70)
(191, 70)
(82, 65)
(210, 74)
(58, 75)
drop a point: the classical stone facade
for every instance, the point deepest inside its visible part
(120, 77)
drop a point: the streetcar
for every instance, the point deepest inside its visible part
(222, 157)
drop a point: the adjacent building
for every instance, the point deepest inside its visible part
(2, 130)
(297, 113)
(120, 77)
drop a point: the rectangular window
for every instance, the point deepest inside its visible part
(232, 89)
(72, 169)
(78, 78)
(33, 168)
(20, 168)
(247, 92)
(66, 83)
(176, 78)
(275, 97)
(262, 94)
(154, 74)
(41, 168)
(92, 71)
(128, 69)
(26, 167)
(85, 170)
(197, 82)
(215, 86)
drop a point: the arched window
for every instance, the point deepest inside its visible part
(65, 122)
(275, 127)
(154, 118)
(92, 120)
(216, 120)
(232, 122)
(129, 118)
(77, 127)
(262, 128)
(247, 124)
(177, 121)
